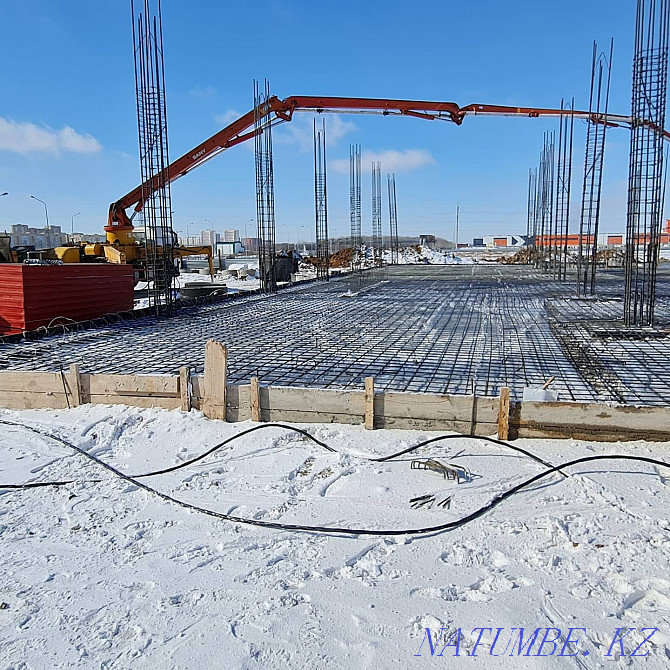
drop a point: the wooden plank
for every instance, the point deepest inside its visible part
(75, 385)
(595, 416)
(439, 407)
(197, 388)
(298, 399)
(369, 403)
(298, 416)
(214, 401)
(41, 382)
(442, 425)
(254, 400)
(503, 414)
(185, 389)
(31, 400)
(144, 402)
(136, 385)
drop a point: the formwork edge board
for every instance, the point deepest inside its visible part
(298, 416)
(137, 385)
(32, 400)
(439, 407)
(317, 400)
(35, 382)
(142, 402)
(624, 417)
(603, 434)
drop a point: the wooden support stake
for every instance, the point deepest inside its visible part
(503, 414)
(255, 400)
(75, 385)
(214, 401)
(185, 389)
(369, 403)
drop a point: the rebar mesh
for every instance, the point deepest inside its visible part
(645, 181)
(393, 219)
(156, 214)
(321, 202)
(438, 329)
(355, 206)
(601, 71)
(377, 238)
(265, 192)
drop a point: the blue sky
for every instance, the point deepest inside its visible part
(68, 130)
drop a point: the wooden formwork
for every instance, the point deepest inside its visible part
(470, 415)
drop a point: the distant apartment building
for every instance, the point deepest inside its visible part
(231, 235)
(209, 237)
(251, 244)
(78, 238)
(40, 238)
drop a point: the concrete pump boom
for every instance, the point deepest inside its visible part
(242, 129)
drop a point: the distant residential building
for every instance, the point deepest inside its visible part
(40, 238)
(78, 238)
(231, 235)
(229, 248)
(209, 237)
(251, 244)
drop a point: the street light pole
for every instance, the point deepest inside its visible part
(245, 226)
(46, 211)
(72, 227)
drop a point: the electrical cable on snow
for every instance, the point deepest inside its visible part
(304, 433)
(448, 526)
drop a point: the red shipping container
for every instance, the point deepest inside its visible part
(36, 295)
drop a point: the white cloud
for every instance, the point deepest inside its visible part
(227, 117)
(391, 160)
(25, 137)
(300, 131)
(203, 92)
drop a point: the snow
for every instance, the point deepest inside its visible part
(234, 285)
(109, 576)
(425, 255)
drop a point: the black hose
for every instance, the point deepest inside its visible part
(450, 525)
(304, 433)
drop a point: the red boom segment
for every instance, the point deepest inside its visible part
(239, 131)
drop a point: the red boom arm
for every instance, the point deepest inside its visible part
(241, 130)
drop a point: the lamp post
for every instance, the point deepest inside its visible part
(297, 241)
(245, 226)
(46, 211)
(188, 225)
(72, 226)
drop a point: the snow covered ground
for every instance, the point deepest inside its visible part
(107, 575)
(422, 254)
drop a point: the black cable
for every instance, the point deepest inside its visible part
(216, 447)
(492, 440)
(450, 525)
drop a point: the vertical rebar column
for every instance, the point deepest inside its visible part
(563, 185)
(377, 239)
(156, 213)
(265, 193)
(645, 179)
(393, 220)
(601, 71)
(355, 205)
(321, 202)
(545, 202)
(531, 222)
